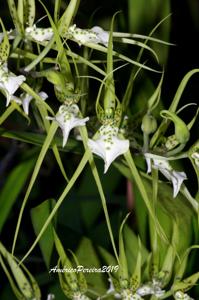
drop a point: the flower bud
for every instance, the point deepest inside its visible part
(149, 124)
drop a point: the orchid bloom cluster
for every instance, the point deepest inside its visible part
(109, 142)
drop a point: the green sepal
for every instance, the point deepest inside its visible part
(186, 283)
(15, 16)
(135, 279)
(167, 267)
(4, 46)
(22, 282)
(123, 270)
(67, 17)
(181, 131)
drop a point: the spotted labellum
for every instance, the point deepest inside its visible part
(67, 119)
(39, 34)
(9, 82)
(108, 145)
(95, 35)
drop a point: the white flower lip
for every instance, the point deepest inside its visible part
(182, 296)
(9, 82)
(11, 35)
(39, 34)
(67, 119)
(165, 168)
(195, 156)
(94, 35)
(151, 288)
(108, 146)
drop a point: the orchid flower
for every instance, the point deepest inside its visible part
(165, 168)
(182, 296)
(94, 35)
(9, 82)
(151, 288)
(67, 119)
(112, 290)
(25, 99)
(108, 145)
(39, 34)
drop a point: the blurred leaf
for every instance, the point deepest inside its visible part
(142, 20)
(169, 210)
(38, 140)
(132, 248)
(13, 186)
(108, 257)
(88, 257)
(39, 214)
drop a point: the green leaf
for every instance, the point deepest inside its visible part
(39, 215)
(169, 210)
(13, 186)
(89, 259)
(132, 248)
(140, 19)
(38, 140)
